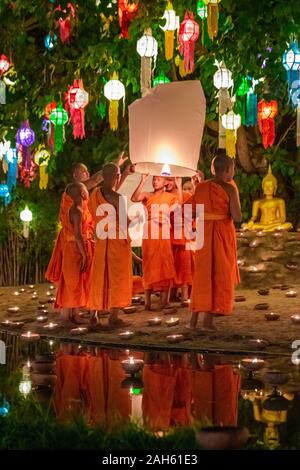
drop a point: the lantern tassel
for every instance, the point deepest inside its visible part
(44, 178)
(2, 92)
(212, 20)
(251, 109)
(65, 29)
(267, 128)
(146, 74)
(113, 114)
(188, 51)
(230, 143)
(58, 138)
(77, 118)
(298, 124)
(25, 157)
(169, 44)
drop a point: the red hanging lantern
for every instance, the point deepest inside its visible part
(27, 175)
(267, 111)
(188, 34)
(64, 21)
(76, 100)
(48, 126)
(127, 12)
(4, 64)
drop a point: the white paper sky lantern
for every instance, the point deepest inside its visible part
(166, 127)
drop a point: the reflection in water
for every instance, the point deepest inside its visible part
(171, 389)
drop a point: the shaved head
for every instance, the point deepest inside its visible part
(109, 170)
(77, 191)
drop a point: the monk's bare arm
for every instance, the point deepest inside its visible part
(235, 207)
(136, 258)
(94, 180)
(76, 221)
(139, 195)
(128, 170)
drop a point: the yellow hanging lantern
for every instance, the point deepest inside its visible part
(41, 158)
(212, 17)
(171, 25)
(231, 122)
(114, 91)
(147, 49)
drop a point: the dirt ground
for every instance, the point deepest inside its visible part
(233, 333)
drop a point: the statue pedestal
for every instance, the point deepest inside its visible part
(268, 259)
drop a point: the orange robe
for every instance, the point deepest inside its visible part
(158, 261)
(215, 395)
(183, 259)
(111, 279)
(73, 285)
(55, 264)
(216, 263)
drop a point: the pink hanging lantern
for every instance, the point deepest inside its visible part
(4, 64)
(188, 34)
(64, 21)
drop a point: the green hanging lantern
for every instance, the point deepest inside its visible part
(160, 79)
(201, 9)
(59, 117)
(242, 92)
(102, 109)
(244, 87)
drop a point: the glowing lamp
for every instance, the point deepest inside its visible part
(59, 117)
(25, 137)
(77, 100)
(5, 194)
(161, 134)
(201, 9)
(161, 79)
(147, 49)
(147, 46)
(41, 158)
(231, 122)
(114, 91)
(50, 41)
(223, 78)
(25, 387)
(4, 64)
(189, 31)
(26, 218)
(291, 57)
(267, 111)
(127, 11)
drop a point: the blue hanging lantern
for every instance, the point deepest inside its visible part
(5, 194)
(50, 41)
(291, 63)
(11, 158)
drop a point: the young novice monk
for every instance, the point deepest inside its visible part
(158, 261)
(216, 263)
(77, 232)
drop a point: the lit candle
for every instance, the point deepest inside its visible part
(48, 293)
(126, 335)
(51, 300)
(272, 316)
(154, 321)
(42, 311)
(31, 286)
(78, 331)
(29, 336)
(172, 321)
(295, 319)
(13, 309)
(253, 269)
(42, 319)
(42, 306)
(51, 287)
(6, 323)
(257, 343)
(22, 290)
(291, 293)
(16, 293)
(51, 326)
(131, 365)
(174, 338)
(185, 303)
(136, 300)
(34, 297)
(253, 364)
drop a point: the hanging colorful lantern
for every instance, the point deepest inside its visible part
(59, 117)
(171, 25)
(25, 137)
(147, 49)
(114, 91)
(242, 93)
(201, 9)
(41, 158)
(267, 111)
(291, 63)
(47, 126)
(223, 81)
(4, 66)
(188, 34)
(212, 17)
(12, 173)
(127, 12)
(50, 41)
(76, 100)
(27, 175)
(251, 105)
(179, 62)
(65, 17)
(231, 122)
(161, 79)
(26, 218)
(5, 194)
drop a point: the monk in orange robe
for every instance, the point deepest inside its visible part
(216, 262)
(158, 262)
(215, 392)
(73, 283)
(111, 280)
(182, 257)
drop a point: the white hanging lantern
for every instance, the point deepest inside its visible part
(114, 91)
(171, 25)
(223, 81)
(147, 48)
(26, 218)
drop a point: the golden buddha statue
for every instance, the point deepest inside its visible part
(271, 209)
